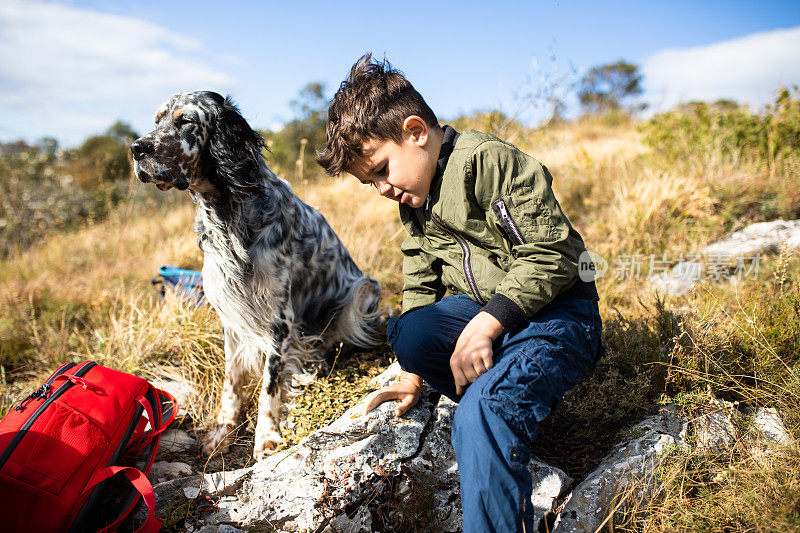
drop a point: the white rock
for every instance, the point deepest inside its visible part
(549, 483)
(715, 431)
(345, 464)
(793, 242)
(224, 482)
(298, 489)
(360, 523)
(727, 254)
(758, 238)
(175, 441)
(225, 528)
(632, 461)
(178, 386)
(191, 492)
(163, 471)
(387, 377)
(768, 423)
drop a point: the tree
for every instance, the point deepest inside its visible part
(286, 146)
(105, 159)
(604, 87)
(121, 132)
(47, 146)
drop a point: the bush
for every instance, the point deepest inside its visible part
(717, 133)
(43, 189)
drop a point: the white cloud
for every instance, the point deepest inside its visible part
(748, 69)
(63, 69)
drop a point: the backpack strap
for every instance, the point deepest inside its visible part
(142, 485)
(143, 438)
(151, 402)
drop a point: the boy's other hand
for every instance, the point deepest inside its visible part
(406, 389)
(472, 356)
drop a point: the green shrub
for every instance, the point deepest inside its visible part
(722, 132)
(43, 189)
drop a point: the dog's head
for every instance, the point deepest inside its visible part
(201, 142)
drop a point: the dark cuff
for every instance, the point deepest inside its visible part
(506, 311)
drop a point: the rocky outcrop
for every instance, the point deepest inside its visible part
(735, 256)
(758, 238)
(630, 463)
(330, 481)
(714, 431)
(360, 468)
(767, 424)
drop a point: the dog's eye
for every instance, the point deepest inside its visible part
(181, 120)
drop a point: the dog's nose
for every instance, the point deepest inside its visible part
(140, 147)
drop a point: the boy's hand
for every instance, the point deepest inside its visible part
(473, 353)
(406, 389)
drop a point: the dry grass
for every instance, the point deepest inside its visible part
(754, 487)
(740, 343)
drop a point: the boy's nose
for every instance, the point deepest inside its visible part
(384, 189)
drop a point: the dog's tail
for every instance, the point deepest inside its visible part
(360, 321)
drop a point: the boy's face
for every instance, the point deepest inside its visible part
(401, 172)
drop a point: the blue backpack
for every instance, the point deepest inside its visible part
(188, 284)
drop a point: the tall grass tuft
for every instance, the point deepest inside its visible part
(745, 348)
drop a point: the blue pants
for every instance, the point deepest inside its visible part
(499, 413)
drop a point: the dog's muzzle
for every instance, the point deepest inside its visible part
(141, 149)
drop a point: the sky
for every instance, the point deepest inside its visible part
(69, 69)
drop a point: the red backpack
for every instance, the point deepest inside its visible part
(66, 451)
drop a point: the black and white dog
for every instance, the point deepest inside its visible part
(284, 286)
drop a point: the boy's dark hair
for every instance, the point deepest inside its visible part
(371, 103)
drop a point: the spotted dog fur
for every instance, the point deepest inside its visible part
(284, 286)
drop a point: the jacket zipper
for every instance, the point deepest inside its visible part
(58, 392)
(467, 266)
(507, 222)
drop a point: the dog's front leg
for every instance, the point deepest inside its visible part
(268, 433)
(217, 440)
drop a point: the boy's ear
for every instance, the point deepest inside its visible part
(416, 128)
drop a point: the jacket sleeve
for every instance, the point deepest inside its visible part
(422, 276)
(545, 249)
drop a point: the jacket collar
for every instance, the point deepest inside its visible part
(448, 143)
(418, 215)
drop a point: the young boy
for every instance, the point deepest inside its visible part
(519, 327)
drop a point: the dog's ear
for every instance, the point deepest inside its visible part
(234, 150)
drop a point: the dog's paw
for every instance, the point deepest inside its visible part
(264, 447)
(217, 440)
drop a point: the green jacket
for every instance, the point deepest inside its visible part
(492, 229)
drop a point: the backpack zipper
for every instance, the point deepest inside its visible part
(507, 223)
(43, 391)
(47, 401)
(467, 266)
